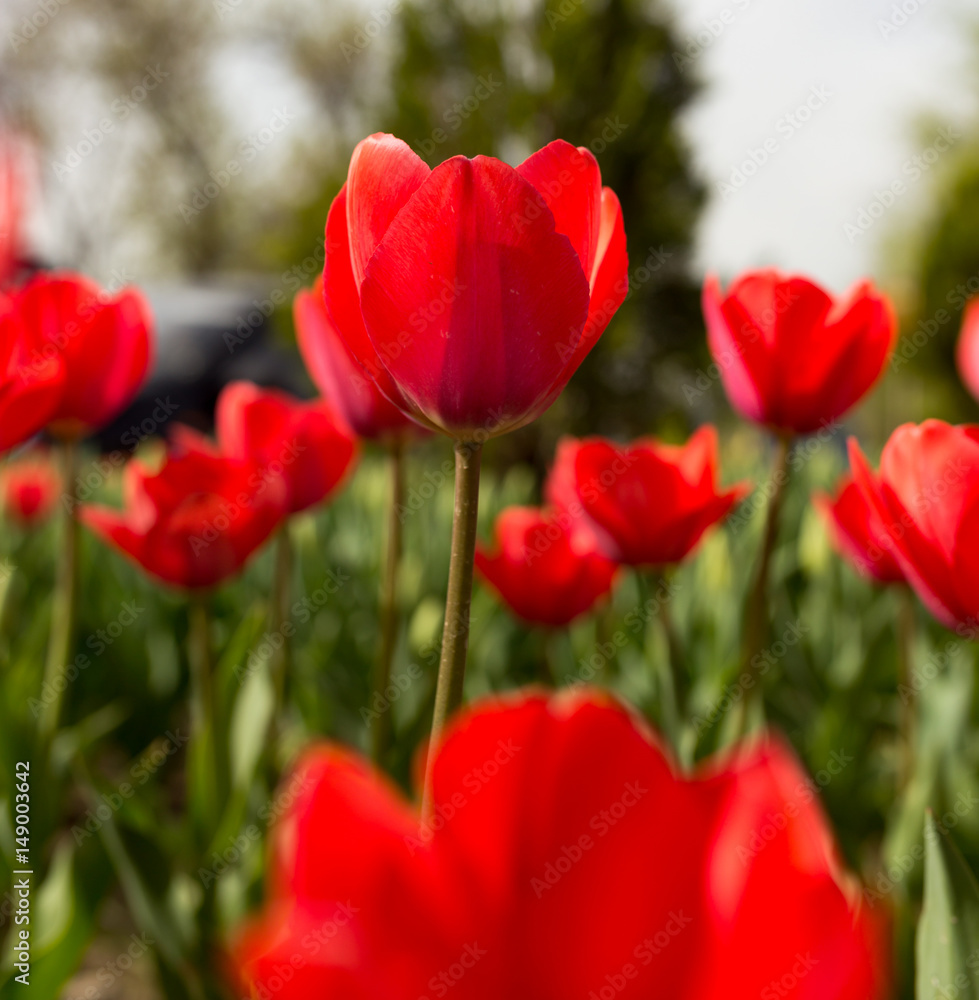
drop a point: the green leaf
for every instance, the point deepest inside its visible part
(947, 947)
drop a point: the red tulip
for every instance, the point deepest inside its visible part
(564, 858)
(472, 292)
(967, 348)
(647, 504)
(857, 533)
(792, 357)
(12, 169)
(196, 521)
(304, 444)
(30, 488)
(31, 380)
(927, 499)
(538, 572)
(104, 342)
(340, 377)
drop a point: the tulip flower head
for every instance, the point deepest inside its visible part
(967, 348)
(339, 376)
(563, 855)
(30, 487)
(790, 355)
(537, 570)
(303, 443)
(104, 343)
(926, 497)
(31, 379)
(646, 504)
(197, 520)
(471, 292)
(857, 533)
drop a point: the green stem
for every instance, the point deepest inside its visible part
(381, 729)
(666, 670)
(205, 766)
(64, 606)
(281, 599)
(455, 633)
(905, 651)
(756, 613)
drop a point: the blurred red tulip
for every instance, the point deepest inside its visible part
(967, 348)
(197, 520)
(472, 292)
(340, 377)
(789, 355)
(538, 572)
(12, 184)
(647, 504)
(927, 498)
(563, 858)
(31, 379)
(104, 342)
(30, 487)
(303, 443)
(857, 533)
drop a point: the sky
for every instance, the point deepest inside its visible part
(809, 122)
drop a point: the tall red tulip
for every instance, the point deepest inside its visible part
(564, 857)
(789, 354)
(472, 292)
(31, 380)
(926, 495)
(967, 348)
(339, 376)
(857, 533)
(647, 504)
(538, 572)
(104, 342)
(197, 520)
(302, 443)
(29, 487)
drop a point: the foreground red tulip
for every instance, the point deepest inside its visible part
(538, 572)
(31, 382)
(967, 348)
(303, 444)
(647, 504)
(104, 342)
(338, 375)
(927, 498)
(857, 533)
(197, 520)
(30, 487)
(563, 858)
(789, 355)
(472, 292)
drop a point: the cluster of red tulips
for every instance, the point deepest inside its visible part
(560, 848)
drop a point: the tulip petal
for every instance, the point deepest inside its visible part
(472, 326)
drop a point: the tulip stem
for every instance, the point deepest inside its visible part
(64, 606)
(906, 618)
(667, 670)
(455, 632)
(381, 728)
(756, 612)
(281, 598)
(205, 771)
